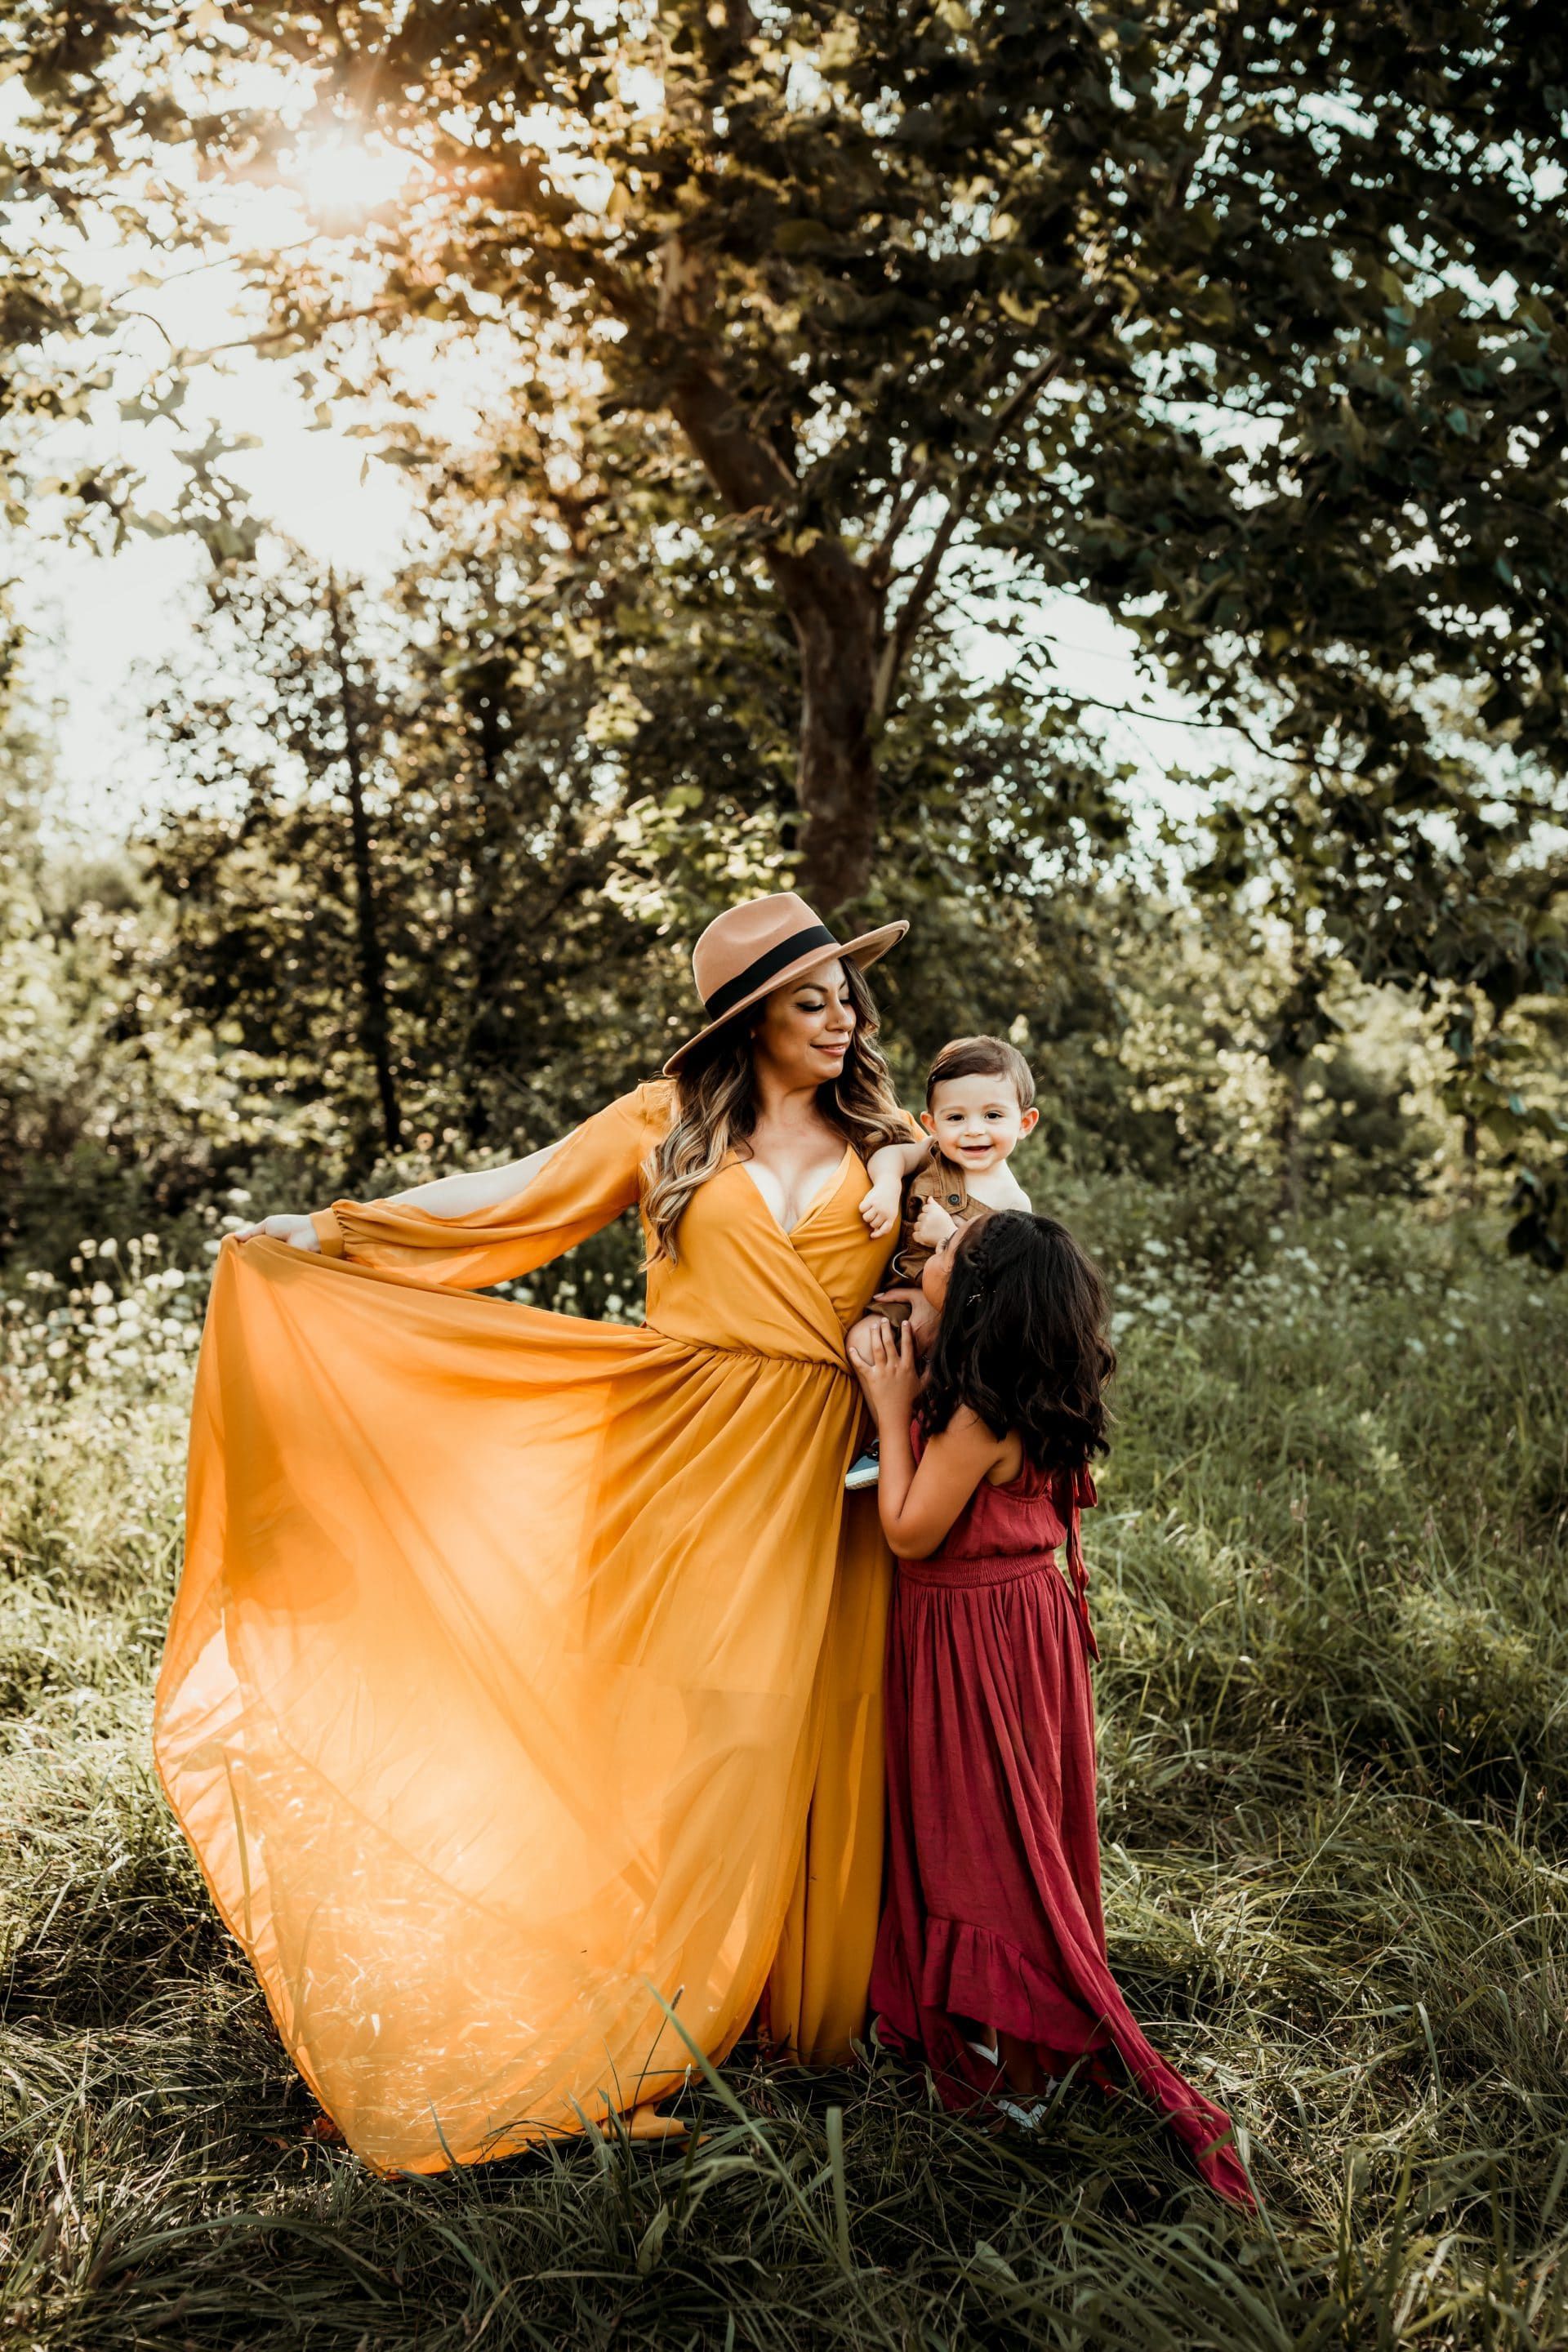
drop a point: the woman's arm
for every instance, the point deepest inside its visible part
(443, 1196)
(471, 1231)
(919, 1505)
(477, 1188)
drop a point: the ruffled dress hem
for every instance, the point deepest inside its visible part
(974, 1984)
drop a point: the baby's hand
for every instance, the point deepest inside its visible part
(934, 1226)
(881, 1205)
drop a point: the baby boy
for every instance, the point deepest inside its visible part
(980, 1104)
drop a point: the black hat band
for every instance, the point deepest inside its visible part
(758, 973)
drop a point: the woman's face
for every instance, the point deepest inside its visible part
(805, 1031)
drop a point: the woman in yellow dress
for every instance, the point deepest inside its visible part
(525, 1670)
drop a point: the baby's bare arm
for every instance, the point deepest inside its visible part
(897, 1160)
(887, 1168)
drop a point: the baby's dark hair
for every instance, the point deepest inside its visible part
(1023, 1341)
(983, 1057)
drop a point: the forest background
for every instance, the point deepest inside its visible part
(777, 395)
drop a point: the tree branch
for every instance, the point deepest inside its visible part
(752, 478)
(745, 468)
(901, 638)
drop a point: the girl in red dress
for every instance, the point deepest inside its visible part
(990, 1953)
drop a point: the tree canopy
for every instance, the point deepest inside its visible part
(1245, 326)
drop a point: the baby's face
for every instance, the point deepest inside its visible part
(977, 1122)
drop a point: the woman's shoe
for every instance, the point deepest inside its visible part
(643, 2124)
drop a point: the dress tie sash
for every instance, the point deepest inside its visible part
(1077, 1492)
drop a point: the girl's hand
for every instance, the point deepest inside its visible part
(886, 1367)
(923, 1317)
(881, 1206)
(855, 1339)
(298, 1232)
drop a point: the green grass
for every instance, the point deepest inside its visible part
(1328, 1574)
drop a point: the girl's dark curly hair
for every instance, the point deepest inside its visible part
(1022, 1341)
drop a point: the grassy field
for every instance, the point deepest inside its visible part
(1328, 1582)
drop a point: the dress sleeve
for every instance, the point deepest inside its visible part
(587, 1183)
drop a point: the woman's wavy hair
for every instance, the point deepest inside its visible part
(715, 1111)
(1023, 1341)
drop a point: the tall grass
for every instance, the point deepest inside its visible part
(1328, 1577)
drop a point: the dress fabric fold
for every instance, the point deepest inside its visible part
(510, 1647)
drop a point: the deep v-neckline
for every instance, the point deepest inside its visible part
(823, 1193)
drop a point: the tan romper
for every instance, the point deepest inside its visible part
(940, 1182)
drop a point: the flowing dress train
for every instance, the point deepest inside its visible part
(510, 1648)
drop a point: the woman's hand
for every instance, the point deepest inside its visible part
(886, 1368)
(933, 1227)
(882, 1206)
(299, 1233)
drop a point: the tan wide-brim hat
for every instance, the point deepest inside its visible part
(751, 949)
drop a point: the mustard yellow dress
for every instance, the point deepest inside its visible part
(523, 1668)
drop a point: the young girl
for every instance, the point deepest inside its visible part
(990, 1953)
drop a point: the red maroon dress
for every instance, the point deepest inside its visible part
(992, 1917)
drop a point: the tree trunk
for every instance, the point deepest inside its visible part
(837, 615)
(488, 947)
(1290, 1141)
(836, 781)
(374, 1027)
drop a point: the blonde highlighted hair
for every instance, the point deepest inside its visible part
(716, 1112)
